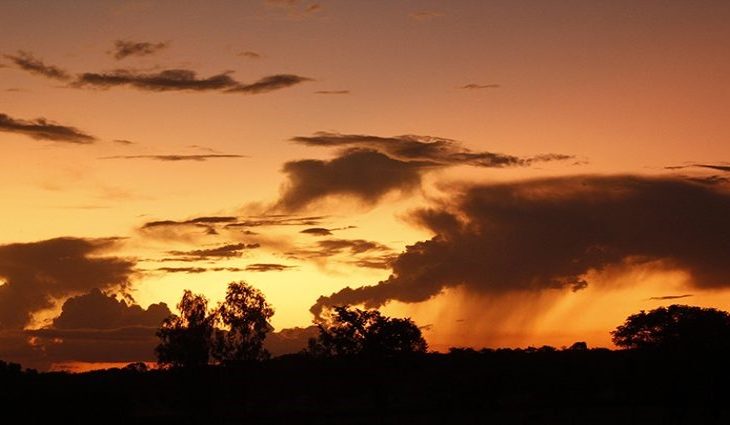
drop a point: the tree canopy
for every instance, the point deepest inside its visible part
(232, 332)
(354, 332)
(677, 327)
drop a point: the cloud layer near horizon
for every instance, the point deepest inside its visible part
(38, 273)
(547, 234)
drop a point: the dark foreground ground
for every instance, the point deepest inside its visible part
(503, 387)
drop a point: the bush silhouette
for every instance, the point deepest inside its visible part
(677, 327)
(354, 332)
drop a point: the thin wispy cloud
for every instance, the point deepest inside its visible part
(43, 129)
(474, 86)
(333, 92)
(161, 81)
(175, 157)
(30, 63)
(125, 48)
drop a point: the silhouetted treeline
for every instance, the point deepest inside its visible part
(541, 385)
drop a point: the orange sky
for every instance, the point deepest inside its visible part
(620, 87)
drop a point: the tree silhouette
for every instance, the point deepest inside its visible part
(354, 332)
(185, 339)
(677, 327)
(244, 316)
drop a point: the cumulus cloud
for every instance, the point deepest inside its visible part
(38, 273)
(369, 167)
(126, 48)
(549, 233)
(175, 157)
(96, 310)
(28, 62)
(43, 129)
(365, 175)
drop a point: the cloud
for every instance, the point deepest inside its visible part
(474, 86)
(716, 167)
(267, 267)
(123, 142)
(365, 175)
(248, 54)
(185, 80)
(436, 150)
(161, 81)
(426, 15)
(166, 80)
(290, 340)
(96, 310)
(197, 270)
(42, 129)
(176, 158)
(125, 48)
(369, 167)
(353, 248)
(332, 92)
(550, 233)
(268, 84)
(38, 273)
(28, 62)
(317, 231)
(224, 251)
(670, 297)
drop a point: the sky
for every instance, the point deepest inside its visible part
(504, 173)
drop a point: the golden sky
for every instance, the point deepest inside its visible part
(558, 165)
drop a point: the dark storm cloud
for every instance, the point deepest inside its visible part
(176, 158)
(365, 175)
(267, 267)
(423, 148)
(268, 84)
(28, 62)
(37, 273)
(96, 310)
(473, 86)
(670, 297)
(549, 233)
(42, 129)
(125, 48)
